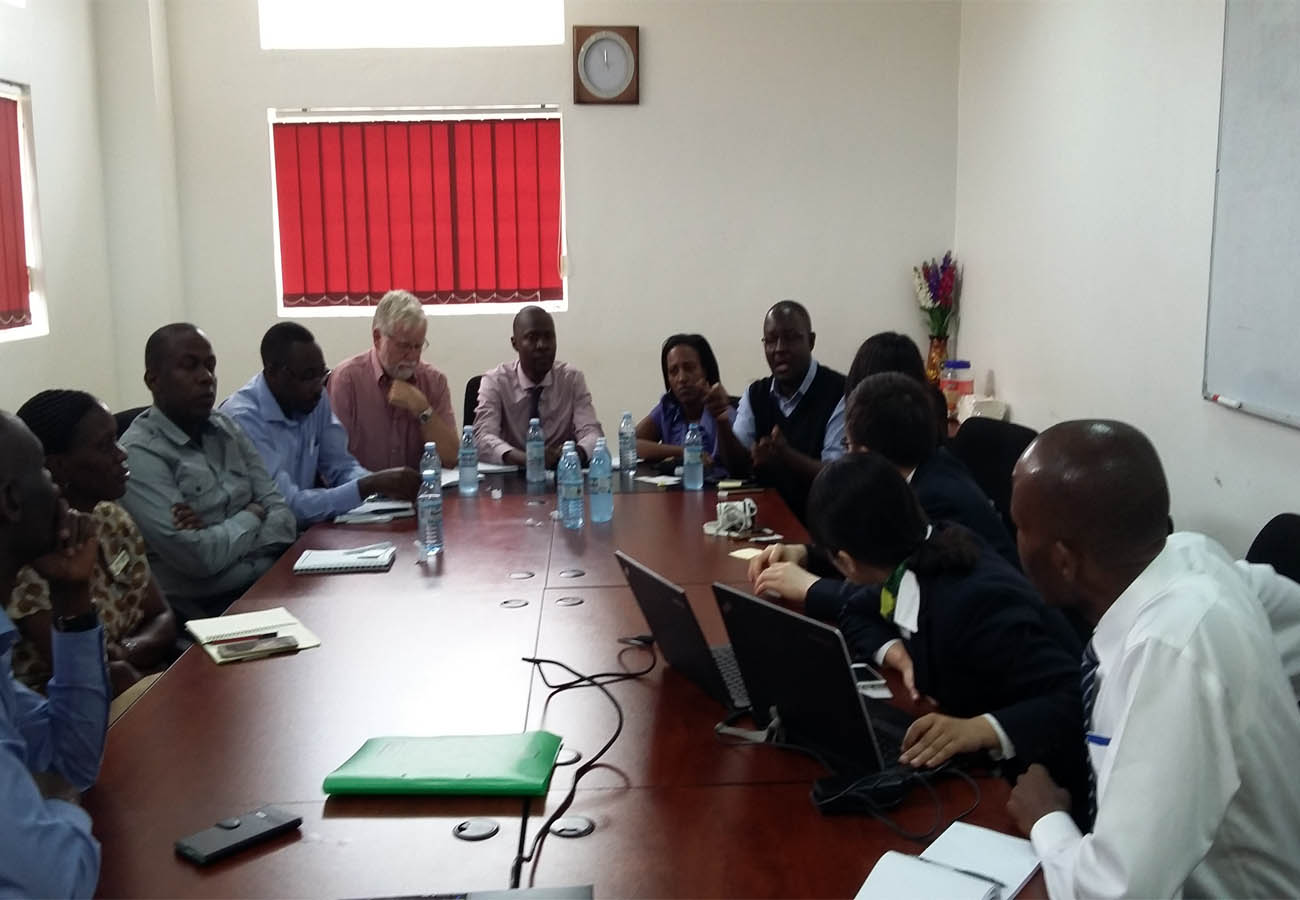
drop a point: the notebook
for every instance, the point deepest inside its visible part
(966, 862)
(372, 558)
(512, 765)
(212, 633)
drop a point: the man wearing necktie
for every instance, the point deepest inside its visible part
(1190, 723)
(534, 386)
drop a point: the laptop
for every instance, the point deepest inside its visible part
(798, 670)
(678, 634)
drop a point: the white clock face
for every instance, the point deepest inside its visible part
(605, 64)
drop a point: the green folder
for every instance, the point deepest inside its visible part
(511, 765)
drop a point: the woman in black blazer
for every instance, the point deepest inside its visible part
(960, 624)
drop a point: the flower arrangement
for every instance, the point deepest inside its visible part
(938, 285)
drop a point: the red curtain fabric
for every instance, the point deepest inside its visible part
(453, 211)
(15, 307)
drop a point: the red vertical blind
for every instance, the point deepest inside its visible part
(453, 211)
(15, 307)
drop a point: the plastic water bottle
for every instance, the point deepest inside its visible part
(535, 451)
(627, 444)
(468, 462)
(692, 464)
(429, 460)
(600, 481)
(568, 480)
(428, 506)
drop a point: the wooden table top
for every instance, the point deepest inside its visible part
(433, 650)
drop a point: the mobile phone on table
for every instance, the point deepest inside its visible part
(236, 833)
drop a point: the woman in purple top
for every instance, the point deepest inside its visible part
(693, 395)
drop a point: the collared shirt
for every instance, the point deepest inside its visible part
(118, 588)
(217, 477)
(1193, 741)
(504, 402)
(1280, 597)
(832, 444)
(380, 435)
(46, 848)
(296, 450)
(670, 419)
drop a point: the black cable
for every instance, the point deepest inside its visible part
(599, 680)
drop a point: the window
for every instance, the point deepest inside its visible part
(21, 313)
(350, 24)
(464, 212)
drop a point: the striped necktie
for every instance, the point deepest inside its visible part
(1088, 683)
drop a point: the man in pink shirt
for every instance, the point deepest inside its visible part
(391, 403)
(534, 385)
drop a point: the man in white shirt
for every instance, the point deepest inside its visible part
(1192, 728)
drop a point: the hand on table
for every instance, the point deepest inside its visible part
(777, 553)
(934, 739)
(898, 659)
(787, 581)
(399, 482)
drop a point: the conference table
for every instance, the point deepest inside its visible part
(438, 650)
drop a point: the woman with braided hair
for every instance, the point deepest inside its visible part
(79, 436)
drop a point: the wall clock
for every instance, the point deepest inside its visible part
(606, 65)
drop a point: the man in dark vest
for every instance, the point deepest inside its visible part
(792, 422)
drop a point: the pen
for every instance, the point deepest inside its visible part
(246, 637)
(736, 492)
(383, 545)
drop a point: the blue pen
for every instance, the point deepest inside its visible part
(1099, 739)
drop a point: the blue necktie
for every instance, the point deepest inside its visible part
(1088, 682)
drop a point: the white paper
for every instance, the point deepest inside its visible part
(898, 876)
(1005, 858)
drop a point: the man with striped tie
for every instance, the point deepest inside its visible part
(1191, 725)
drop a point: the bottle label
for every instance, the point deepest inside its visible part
(569, 491)
(602, 484)
(430, 503)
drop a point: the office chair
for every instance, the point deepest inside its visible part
(990, 448)
(471, 398)
(126, 417)
(1278, 544)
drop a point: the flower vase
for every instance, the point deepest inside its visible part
(934, 361)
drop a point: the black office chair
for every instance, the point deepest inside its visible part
(126, 417)
(990, 448)
(471, 398)
(1278, 544)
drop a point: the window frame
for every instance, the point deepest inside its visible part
(411, 114)
(36, 305)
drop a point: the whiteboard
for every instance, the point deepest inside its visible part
(1252, 342)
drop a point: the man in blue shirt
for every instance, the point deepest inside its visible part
(50, 749)
(285, 411)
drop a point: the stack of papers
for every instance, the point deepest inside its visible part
(966, 862)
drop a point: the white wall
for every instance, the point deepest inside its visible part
(780, 149)
(47, 46)
(1085, 193)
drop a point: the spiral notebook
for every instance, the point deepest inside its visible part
(373, 558)
(214, 632)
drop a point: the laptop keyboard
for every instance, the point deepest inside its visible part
(725, 660)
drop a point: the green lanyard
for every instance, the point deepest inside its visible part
(889, 592)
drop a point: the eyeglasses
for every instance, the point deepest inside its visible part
(408, 346)
(789, 339)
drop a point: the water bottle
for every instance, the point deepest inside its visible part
(468, 462)
(428, 506)
(568, 480)
(535, 451)
(600, 480)
(430, 459)
(692, 464)
(627, 444)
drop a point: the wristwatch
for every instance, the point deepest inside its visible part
(426, 417)
(83, 622)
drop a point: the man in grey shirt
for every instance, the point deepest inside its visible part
(199, 492)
